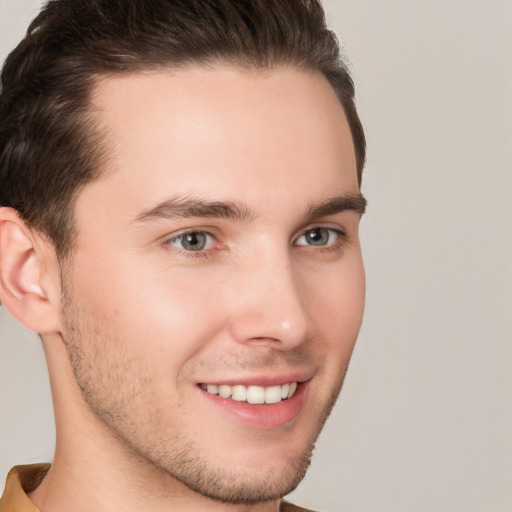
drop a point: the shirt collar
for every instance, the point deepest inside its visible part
(20, 481)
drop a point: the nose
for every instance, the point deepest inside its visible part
(271, 304)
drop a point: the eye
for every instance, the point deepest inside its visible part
(319, 237)
(192, 241)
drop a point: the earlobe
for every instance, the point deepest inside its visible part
(23, 261)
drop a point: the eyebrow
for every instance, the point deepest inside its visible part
(355, 203)
(183, 207)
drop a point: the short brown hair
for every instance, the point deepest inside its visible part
(49, 148)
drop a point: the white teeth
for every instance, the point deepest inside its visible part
(293, 387)
(253, 394)
(212, 388)
(239, 393)
(273, 395)
(224, 391)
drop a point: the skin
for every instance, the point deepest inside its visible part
(139, 320)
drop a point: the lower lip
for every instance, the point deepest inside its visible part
(264, 416)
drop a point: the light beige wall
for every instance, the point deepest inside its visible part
(425, 419)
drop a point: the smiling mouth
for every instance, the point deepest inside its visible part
(252, 394)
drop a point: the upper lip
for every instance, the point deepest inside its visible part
(261, 380)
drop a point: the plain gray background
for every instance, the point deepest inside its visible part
(424, 422)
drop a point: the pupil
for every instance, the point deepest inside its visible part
(194, 241)
(318, 237)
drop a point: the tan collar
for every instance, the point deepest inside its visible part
(20, 481)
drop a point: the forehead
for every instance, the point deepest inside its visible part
(221, 131)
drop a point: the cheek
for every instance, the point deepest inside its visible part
(159, 316)
(337, 305)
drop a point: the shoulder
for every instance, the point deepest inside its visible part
(290, 507)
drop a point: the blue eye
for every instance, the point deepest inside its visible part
(319, 237)
(192, 241)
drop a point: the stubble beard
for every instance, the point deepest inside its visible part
(117, 391)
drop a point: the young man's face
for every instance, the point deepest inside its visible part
(219, 251)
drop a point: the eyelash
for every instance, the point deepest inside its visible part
(341, 238)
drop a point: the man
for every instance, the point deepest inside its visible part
(180, 202)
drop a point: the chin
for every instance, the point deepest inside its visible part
(254, 483)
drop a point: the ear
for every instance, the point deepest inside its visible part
(29, 275)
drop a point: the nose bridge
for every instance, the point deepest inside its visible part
(272, 308)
